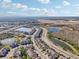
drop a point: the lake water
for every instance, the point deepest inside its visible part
(54, 29)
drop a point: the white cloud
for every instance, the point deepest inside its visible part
(47, 12)
(10, 5)
(7, 0)
(5, 3)
(19, 6)
(63, 5)
(24, 9)
(40, 12)
(11, 12)
(66, 3)
(44, 1)
(35, 9)
(51, 13)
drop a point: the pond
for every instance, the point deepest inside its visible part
(54, 29)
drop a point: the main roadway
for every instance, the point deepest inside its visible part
(43, 56)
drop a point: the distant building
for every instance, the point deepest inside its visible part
(9, 41)
(25, 41)
(14, 45)
(16, 53)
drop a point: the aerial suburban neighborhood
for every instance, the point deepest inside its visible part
(39, 29)
(39, 40)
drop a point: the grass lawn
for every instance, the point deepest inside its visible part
(27, 57)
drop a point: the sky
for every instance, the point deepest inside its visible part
(39, 7)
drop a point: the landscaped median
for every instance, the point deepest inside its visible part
(24, 53)
(65, 44)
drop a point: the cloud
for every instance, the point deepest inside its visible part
(19, 6)
(11, 12)
(40, 12)
(63, 4)
(44, 1)
(66, 3)
(10, 5)
(35, 9)
(7, 0)
(25, 9)
(48, 12)
(58, 7)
